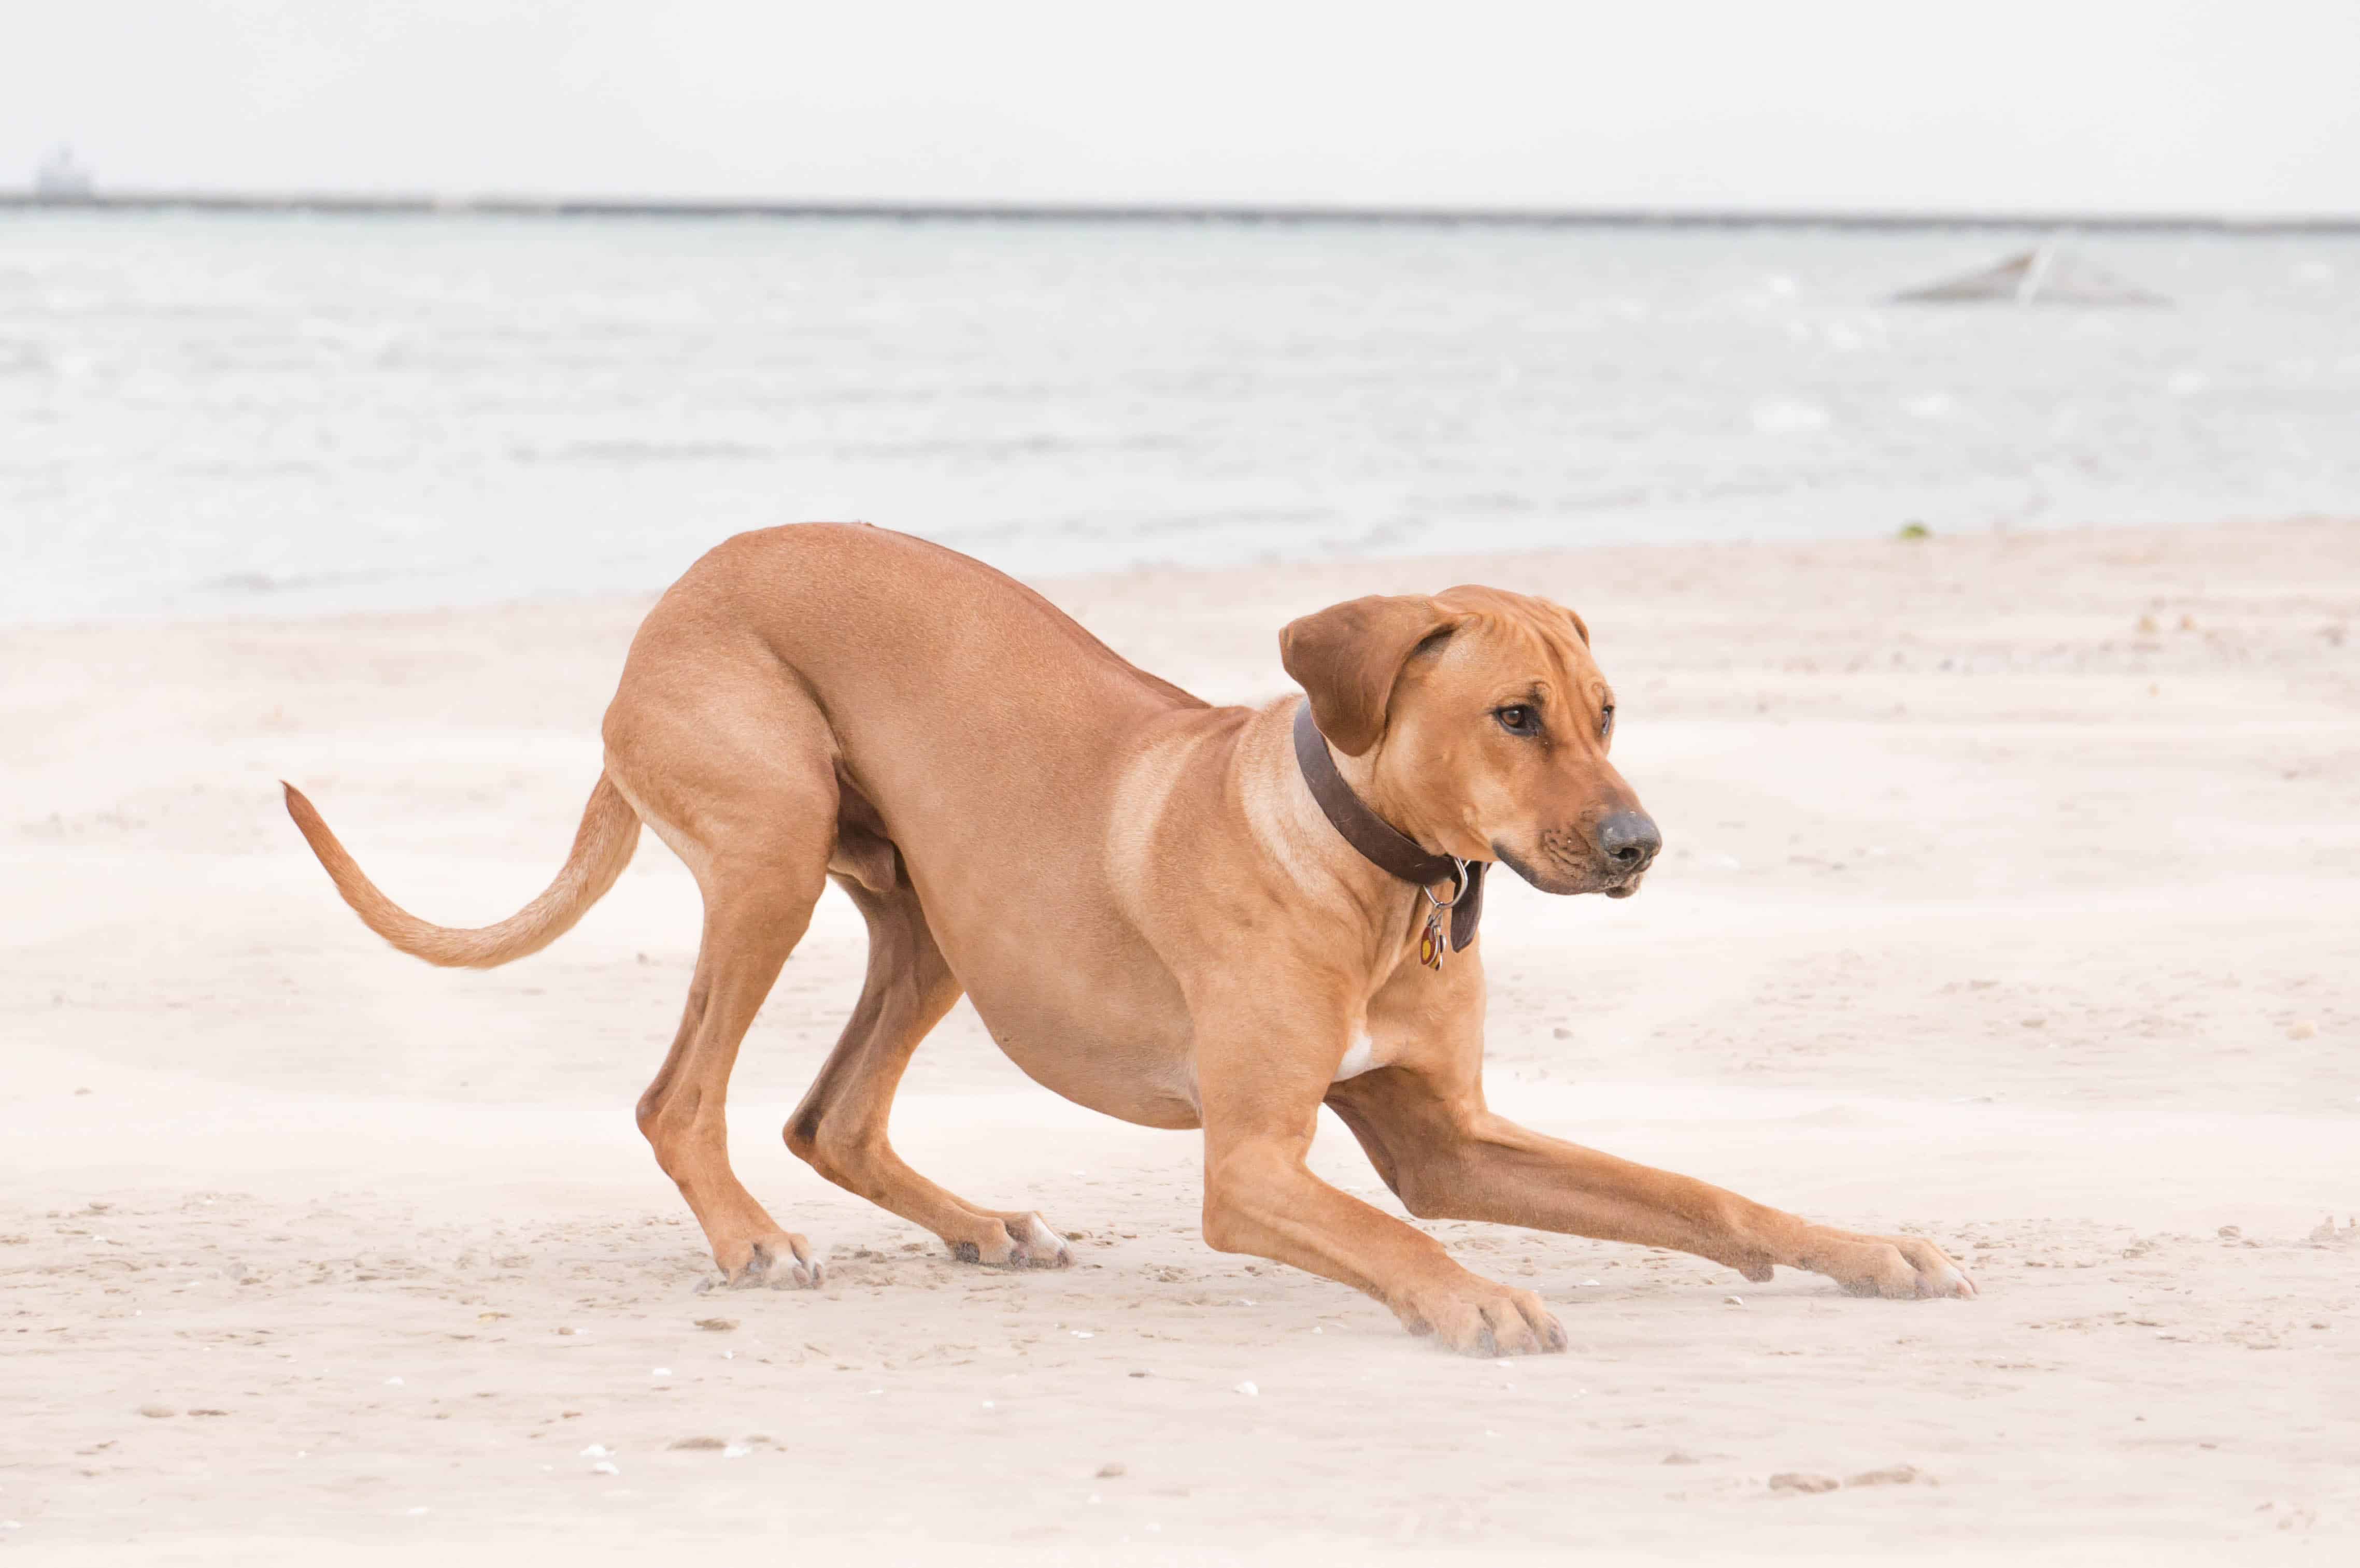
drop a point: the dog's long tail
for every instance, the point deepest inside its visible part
(602, 848)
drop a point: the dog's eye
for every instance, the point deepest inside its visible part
(1517, 719)
(1606, 721)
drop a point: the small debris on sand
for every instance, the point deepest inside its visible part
(702, 1444)
(1248, 1389)
(1802, 1481)
(1891, 1475)
(157, 1411)
(1733, 1300)
(2301, 1028)
(1677, 1457)
(1112, 1472)
(717, 1325)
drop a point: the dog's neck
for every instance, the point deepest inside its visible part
(1346, 804)
(1300, 841)
(1384, 846)
(1360, 773)
(1314, 850)
(1364, 773)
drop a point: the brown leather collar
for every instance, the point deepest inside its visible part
(1379, 842)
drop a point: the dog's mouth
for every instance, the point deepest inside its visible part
(1614, 884)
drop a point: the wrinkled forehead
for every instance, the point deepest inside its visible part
(1517, 636)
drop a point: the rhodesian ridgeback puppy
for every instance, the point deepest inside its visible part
(1164, 910)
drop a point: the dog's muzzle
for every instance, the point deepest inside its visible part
(1629, 841)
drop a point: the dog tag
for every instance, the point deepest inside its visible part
(1435, 942)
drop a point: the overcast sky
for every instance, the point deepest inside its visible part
(2109, 105)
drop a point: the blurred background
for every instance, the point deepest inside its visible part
(313, 307)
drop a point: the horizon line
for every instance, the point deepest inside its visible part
(429, 205)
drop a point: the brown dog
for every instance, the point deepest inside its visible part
(1152, 912)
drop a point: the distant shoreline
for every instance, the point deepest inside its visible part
(1213, 212)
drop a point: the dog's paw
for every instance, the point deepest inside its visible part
(1900, 1268)
(1477, 1317)
(1013, 1241)
(781, 1261)
(1038, 1247)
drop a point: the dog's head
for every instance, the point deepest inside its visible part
(1485, 724)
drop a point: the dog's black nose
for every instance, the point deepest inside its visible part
(1629, 839)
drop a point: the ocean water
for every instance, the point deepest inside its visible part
(224, 414)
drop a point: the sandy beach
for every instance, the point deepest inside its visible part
(2010, 897)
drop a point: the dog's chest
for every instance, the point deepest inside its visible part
(1358, 1060)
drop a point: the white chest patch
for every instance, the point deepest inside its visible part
(1357, 1060)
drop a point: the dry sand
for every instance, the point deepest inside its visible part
(2010, 897)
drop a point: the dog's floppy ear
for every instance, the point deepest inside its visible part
(1347, 657)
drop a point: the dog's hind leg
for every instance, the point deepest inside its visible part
(840, 1127)
(752, 920)
(745, 792)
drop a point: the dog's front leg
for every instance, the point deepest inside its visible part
(1259, 1086)
(1449, 1157)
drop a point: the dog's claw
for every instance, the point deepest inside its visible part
(1488, 1322)
(782, 1262)
(1898, 1268)
(1042, 1247)
(1024, 1242)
